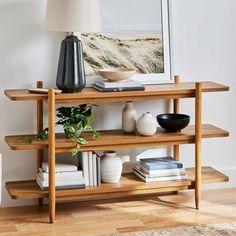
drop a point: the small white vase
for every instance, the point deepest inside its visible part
(129, 117)
(146, 124)
(111, 167)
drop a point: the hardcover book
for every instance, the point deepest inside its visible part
(160, 163)
(68, 175)
(59, 167)
(118, 89)
(45, 187)
(90, 168)
(85, 167)
(159, 179)
(160, 173)
(126, 84)
(95, 182)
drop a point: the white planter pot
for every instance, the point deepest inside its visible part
(77, 133)
(147, 124)
(111, 167)
(129, 117)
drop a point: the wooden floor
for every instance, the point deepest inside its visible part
(126, 215)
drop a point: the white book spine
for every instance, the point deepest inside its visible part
(95, 183)
(85, 167)
(90, 162)
(99, 171)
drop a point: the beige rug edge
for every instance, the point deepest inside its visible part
(225, 229)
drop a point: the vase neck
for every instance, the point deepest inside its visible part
(129, 104)
(147, 114)
(110, 153)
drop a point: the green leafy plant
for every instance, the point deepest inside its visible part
(75, 120)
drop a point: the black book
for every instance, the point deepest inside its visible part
(79, 161)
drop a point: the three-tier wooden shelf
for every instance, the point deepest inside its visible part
(113, 139)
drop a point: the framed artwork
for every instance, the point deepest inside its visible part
(135, 34)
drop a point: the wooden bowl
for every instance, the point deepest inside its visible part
(117, 74)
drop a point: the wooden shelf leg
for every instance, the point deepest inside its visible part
(39, 129)
(198, 137)
(176, 110)
(51, 154)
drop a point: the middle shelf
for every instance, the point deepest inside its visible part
(114, 139)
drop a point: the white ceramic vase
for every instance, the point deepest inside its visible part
(129, 117)
(147, 124)
(111, 167)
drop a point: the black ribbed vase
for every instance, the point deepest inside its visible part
(70, 72)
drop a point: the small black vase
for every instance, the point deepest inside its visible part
(70, 72)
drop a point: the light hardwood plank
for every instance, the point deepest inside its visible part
(89, 95)
(136, 213)
(117, 139)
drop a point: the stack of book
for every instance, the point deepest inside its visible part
(89, 163)
(67, 176)
(106, 86)
(160, 169)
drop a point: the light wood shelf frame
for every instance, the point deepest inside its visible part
(39, 113)
(115, 139)
(176, 110)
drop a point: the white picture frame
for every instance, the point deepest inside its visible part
(153, 78)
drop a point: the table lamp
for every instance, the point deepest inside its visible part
(72, 16)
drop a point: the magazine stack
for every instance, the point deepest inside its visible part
(160, 169)
(67, 176)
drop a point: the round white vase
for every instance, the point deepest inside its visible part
(129, 117)
(111, 167)
(147, 124)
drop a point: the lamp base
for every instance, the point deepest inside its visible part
(70, 72)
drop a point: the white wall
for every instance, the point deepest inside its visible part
(204, 43)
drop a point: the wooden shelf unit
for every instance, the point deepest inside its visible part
(113, 139)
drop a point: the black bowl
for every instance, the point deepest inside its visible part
(173, 122)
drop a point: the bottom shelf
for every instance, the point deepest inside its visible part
(128, 185)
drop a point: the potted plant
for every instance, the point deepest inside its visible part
(75, 120)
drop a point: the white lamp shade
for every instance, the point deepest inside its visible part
(73, 16)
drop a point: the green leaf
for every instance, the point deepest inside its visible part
(41, 136)
(71, 136)
(88, 128)
(29, 139)
(69, 128)
(82, 141)
(96, 135)
(74, 152)
(79, 126)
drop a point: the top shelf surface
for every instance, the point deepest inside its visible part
(90, 95)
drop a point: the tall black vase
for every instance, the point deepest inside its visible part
(70, 72)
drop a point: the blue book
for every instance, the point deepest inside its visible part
(160, 163)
